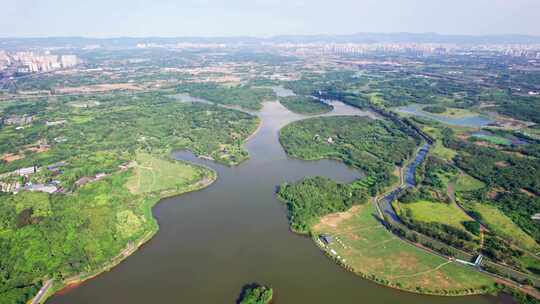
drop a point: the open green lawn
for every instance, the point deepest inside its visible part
(368, 248)
(153, 174)
(493, 139)
(466, 182)
(457, 113)
(432, 212)
(503, 226)
(448, 112)
(439, 149)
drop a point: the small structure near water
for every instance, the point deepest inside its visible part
(326, 239)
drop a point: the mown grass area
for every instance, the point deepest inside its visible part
(503, 226)
(367, 248)
(465, 182)
(439, 149)
(493, 139)
(434, 212)
(154, 174)
(456, 113)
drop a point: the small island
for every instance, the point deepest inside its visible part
(305, 105)
(435, 109)
(256, 294)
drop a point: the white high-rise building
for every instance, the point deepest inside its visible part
(68, 61)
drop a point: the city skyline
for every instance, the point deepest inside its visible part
(264, 18)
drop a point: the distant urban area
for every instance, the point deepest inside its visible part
(408, 160)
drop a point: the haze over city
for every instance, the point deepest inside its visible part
(101, 18)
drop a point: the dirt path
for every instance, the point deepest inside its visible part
(451, 192)
(423, 272)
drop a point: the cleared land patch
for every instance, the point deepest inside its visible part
(465, 182)
(439, 149)
(499, 223)
(457, 113)
(98, 88)
(433, 212)
(363, 245)
(153, 174)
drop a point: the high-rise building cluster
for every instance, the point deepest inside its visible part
(4, 60)
(418, 49)
(33, 62)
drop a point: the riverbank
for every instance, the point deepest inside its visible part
(360, 240)
(361, 244)
(254, 133)
(151, 200)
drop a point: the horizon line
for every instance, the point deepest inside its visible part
(267, 36)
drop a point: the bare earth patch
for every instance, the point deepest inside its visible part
(365, 247)
(527, 192)
(99, 88)
(501, 164)
(334, 219)
(10, 157)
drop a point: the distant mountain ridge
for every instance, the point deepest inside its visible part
(7, 43)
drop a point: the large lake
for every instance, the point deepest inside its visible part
(214, 241)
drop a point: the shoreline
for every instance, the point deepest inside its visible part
(255, 132)
(383, 282)
(372, 277)
(74, 281)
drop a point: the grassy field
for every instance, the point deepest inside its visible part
(439, 149)
(493, 139)
(153, 174)
(499, 223)
(457, 113)
(465, 182)
(431, 212)
(366, 247)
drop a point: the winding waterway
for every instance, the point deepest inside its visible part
(214, 241)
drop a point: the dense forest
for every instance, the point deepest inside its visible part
(256, 294)
(513, 182)
(305, 105)
(87, 224)
(125, 123)
(312, 198)
(249, 98)
(373, 146)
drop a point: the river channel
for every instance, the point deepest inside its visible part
(214, 241)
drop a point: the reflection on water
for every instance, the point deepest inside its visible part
(214, 241)
(467, 121)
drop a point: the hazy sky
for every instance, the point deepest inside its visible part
(105, 18)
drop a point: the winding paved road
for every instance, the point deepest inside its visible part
(39, 296)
